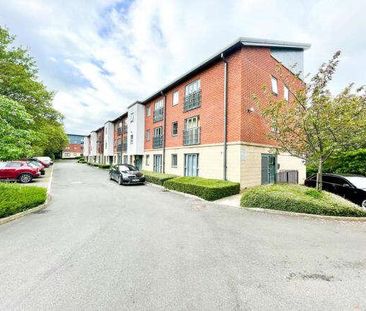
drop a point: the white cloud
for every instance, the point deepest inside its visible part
(102, 55)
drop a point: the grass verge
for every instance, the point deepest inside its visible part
(208, 189)
(300, 199)
(15, 198)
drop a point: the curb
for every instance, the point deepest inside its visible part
(178, 192)
(26, 212)
(294, 214)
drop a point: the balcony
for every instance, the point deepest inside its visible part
(124, 129)
(119, 147)
(158, 142)
(124, 147)
(158, 114)
(119, 131)
(192, 101)
(192, 136)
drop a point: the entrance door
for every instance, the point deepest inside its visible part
(138, 162)
(191, 164)
(268, 169)
(158, 163)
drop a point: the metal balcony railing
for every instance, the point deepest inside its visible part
(192, 101)
(192, 136)
(158, 114)
(158, 141)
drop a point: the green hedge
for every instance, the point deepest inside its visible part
(81, 160)
(16, 198)
(208, 189)
(157, 178)
(104, 166)
(300, 199)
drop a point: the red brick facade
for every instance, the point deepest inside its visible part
(249, 69)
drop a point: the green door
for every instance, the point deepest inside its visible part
(138, 162)
(268, 169)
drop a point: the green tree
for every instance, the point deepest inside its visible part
(315, 124)
(19, 81)
(16, 136)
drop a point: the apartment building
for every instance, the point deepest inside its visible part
(108, 140)
(206, 123)
(75, 147)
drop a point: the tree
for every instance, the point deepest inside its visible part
(16, 137)
(19, 81)
(315, 124)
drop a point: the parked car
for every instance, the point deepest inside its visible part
(350, 187)
(37, 164)
(45, 164)
(18, 171)
(126, 174)
(46, 160)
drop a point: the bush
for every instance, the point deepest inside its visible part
(157, 178)
(16, 198)
(208, 189)
(104, 166)
(300, 199)
(81, 160)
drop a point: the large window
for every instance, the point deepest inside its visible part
(157, 163)
(175, 128)
(191, 164)
(158, 137)
(274, 85)
(159, 110)
(192, 131)
(192, 97)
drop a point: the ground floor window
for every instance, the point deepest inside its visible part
(268, 169)
(125, 158)
(191, 164)
(158, 163)
(147, 161)
(174, 160)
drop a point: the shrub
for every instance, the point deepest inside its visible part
(208, 189)
(157, 178)
(16, 198)
(301, 199)
(81, 160)
(104, 166)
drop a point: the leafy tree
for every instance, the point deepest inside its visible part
(315, 124)
(19, 81)
(16, 137)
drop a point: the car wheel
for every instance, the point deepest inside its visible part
(120, 182)
(25, 178)
(363, 204)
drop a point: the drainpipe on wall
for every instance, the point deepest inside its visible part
(225, 117)
(164, 127)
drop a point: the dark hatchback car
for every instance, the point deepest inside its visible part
(126, 174)
(350, 187)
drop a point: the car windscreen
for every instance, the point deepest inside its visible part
(2, 164)
(126, 168)
(31, 164)
(357, 181)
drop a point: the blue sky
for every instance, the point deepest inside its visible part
(100, 56)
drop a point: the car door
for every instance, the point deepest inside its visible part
(3, 170)
(11, 170)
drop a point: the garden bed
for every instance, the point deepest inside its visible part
(16, 198)
(299, 199)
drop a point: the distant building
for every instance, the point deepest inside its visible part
(74, 148)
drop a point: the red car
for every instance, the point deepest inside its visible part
(18, 171)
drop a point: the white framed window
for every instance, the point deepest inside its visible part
(274, 85)
(285, 93)
(193, 87)
(174, 160)
(175, 128)
(148, 111)
(175, 98)
(159, 104)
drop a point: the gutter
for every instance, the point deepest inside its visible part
(225, 117)
(164, 130)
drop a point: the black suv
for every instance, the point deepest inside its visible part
(350, 187)
(126, 174)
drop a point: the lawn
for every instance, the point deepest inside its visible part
(16, 198)
(301, 199)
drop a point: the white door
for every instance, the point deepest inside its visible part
(191, 164)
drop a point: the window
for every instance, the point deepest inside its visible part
(191, 164)
(193, 87)
(14, 164)
(158, 137)
(175, 98)
(274, 85)
(174, 160)
(175, 128)
(192, 131)
(285, 93)
(157, 163)
(159, 110)
(148, 111)
(192, 98)
(132, 117)
(131, 139)
(147, 135)
(147, 160)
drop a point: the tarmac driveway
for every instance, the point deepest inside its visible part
(101, 246)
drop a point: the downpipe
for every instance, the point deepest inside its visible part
(225, 117)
